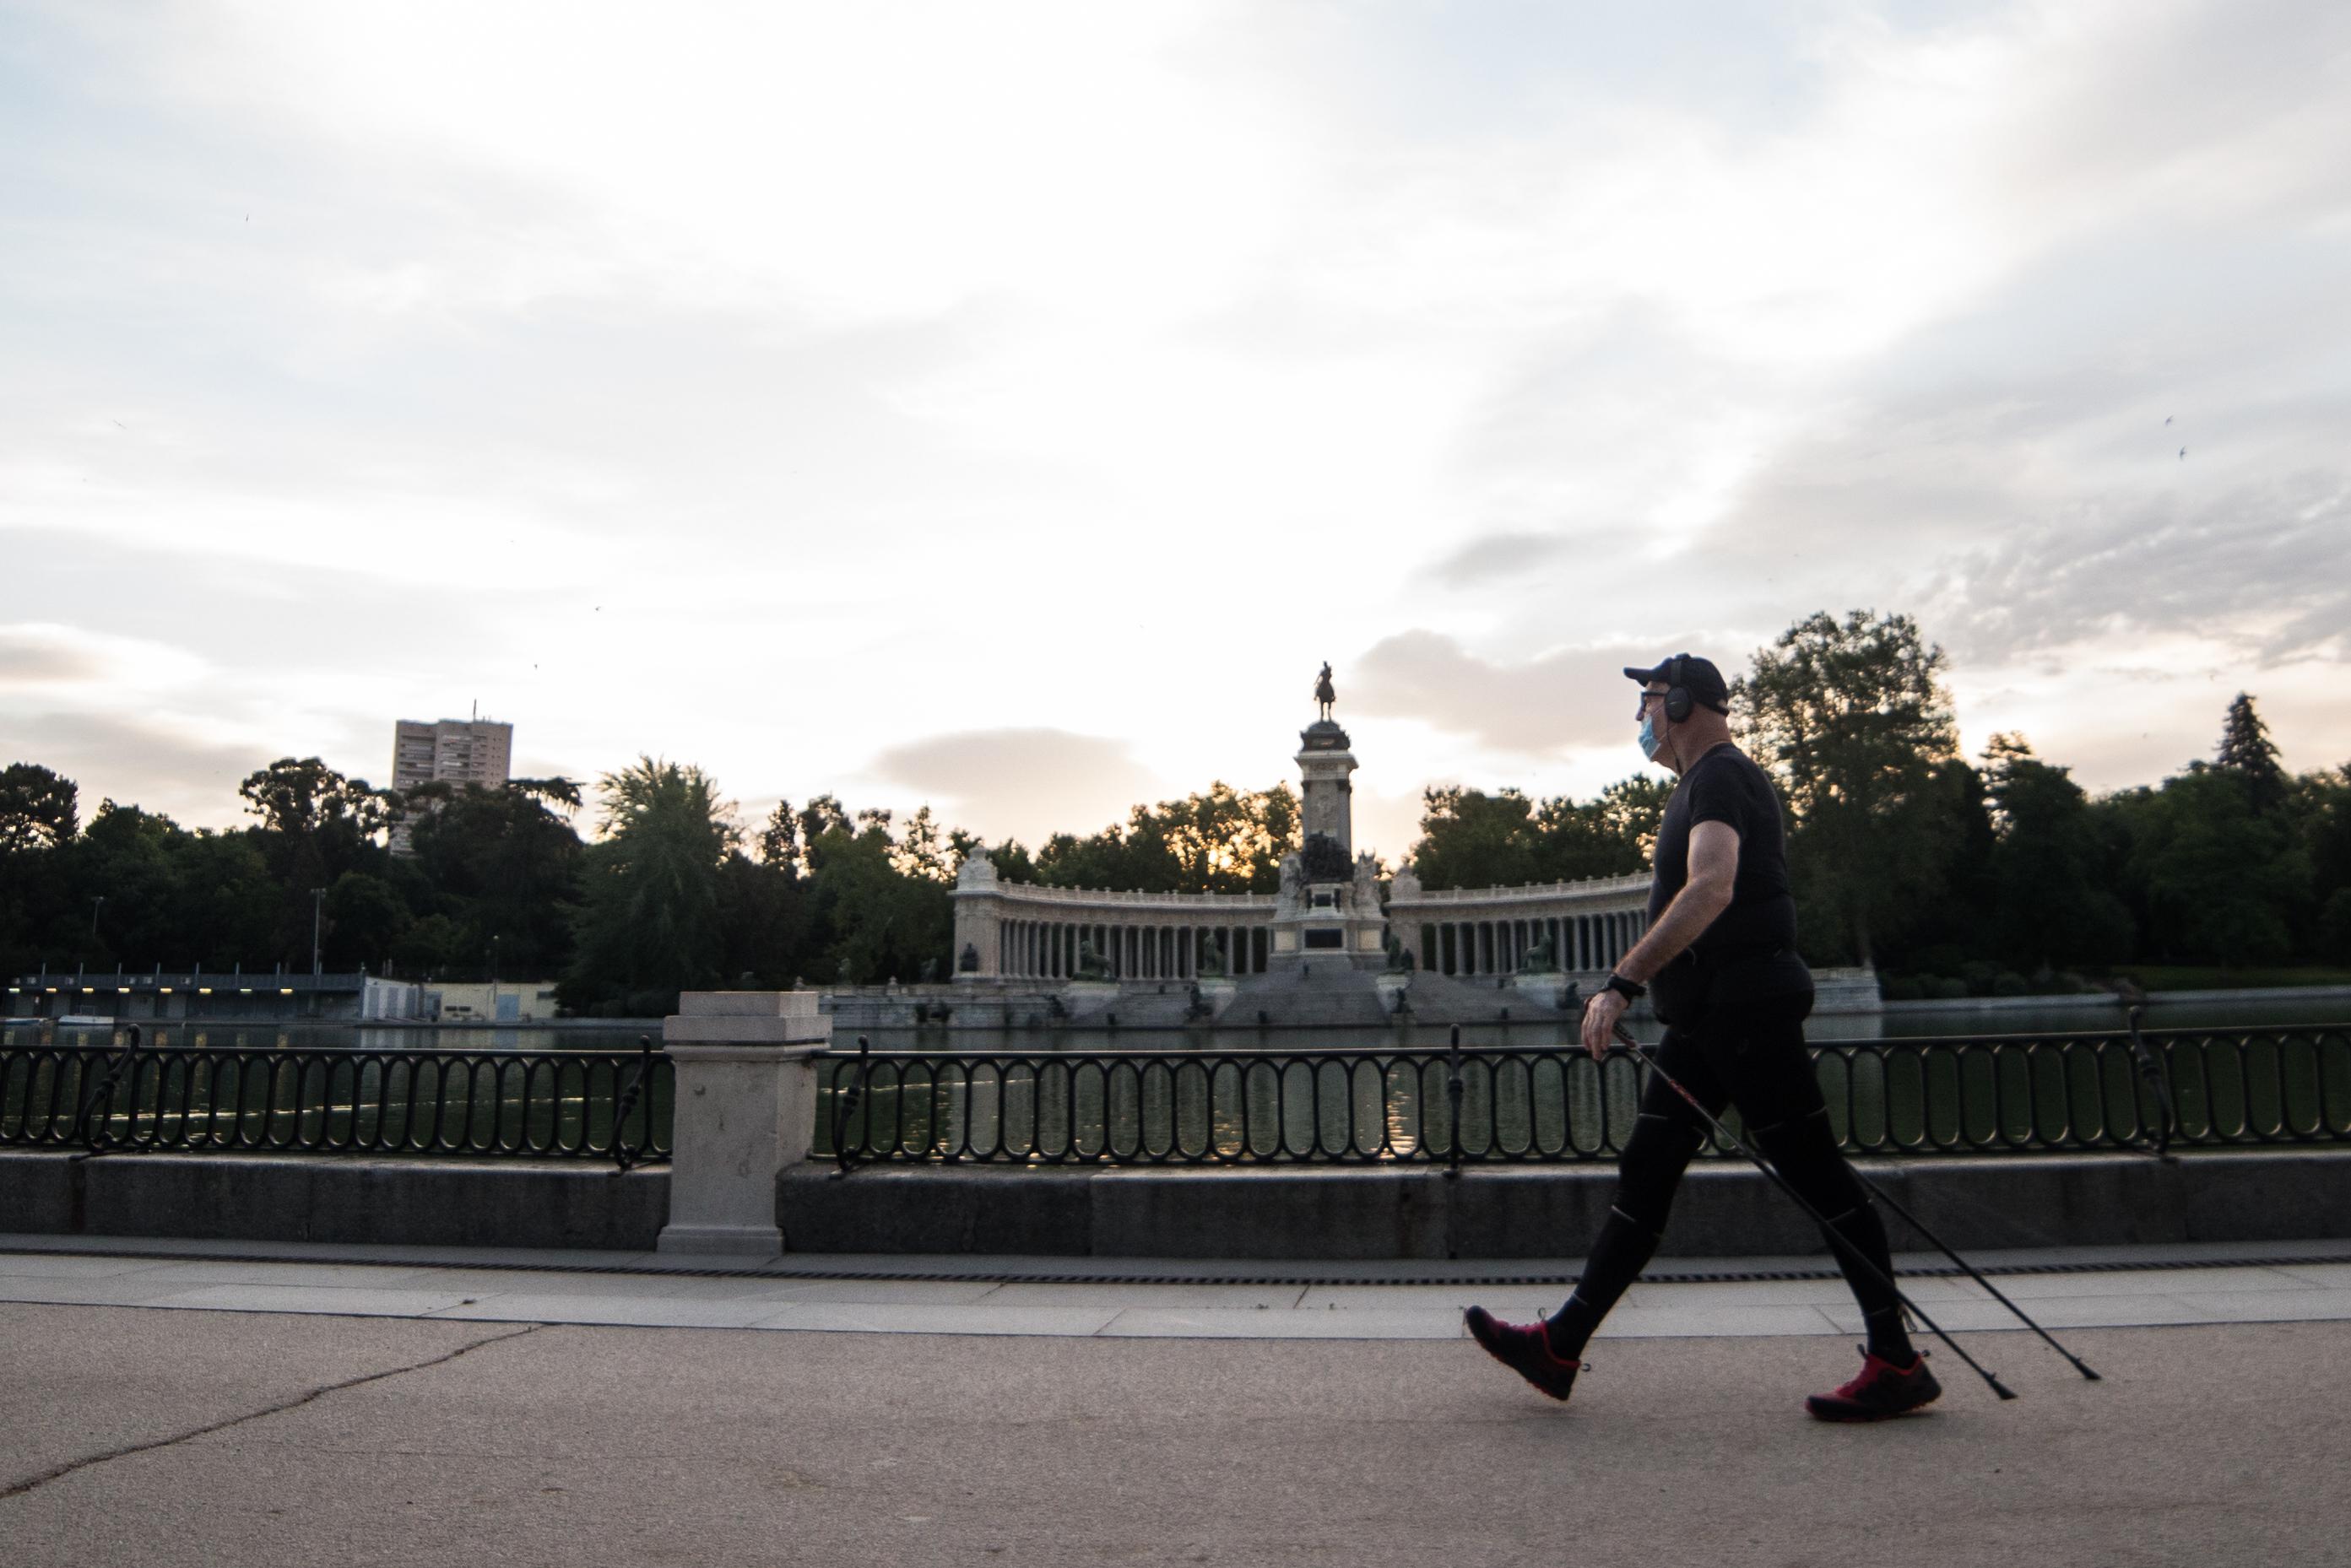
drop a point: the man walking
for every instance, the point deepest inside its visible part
(1720, 959)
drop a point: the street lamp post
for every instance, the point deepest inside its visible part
(96, 902)
(318, 911)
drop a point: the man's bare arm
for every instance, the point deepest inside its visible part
(1713, 868)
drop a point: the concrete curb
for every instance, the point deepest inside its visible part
(429, 1200)
(1722, 1211)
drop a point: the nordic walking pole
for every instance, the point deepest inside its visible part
(1940, 1245)
(1641, 1054)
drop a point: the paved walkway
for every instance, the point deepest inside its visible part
(221, 1437)
(1076, 1297)
(413, 1408)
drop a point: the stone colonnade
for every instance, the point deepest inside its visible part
(1047, 949)
(1581, 942)
(1017, 930)
(1492, 930)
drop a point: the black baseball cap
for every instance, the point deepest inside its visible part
(1699, 675)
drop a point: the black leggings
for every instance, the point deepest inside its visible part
(1754, 1058)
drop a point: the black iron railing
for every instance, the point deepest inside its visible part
(590, 1104)
(2006, 1093)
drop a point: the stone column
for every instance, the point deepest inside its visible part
(746, 1109)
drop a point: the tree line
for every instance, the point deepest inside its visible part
(669, 892)
(1958, 876)
(1952, 875)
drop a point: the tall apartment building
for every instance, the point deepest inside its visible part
(458, 751)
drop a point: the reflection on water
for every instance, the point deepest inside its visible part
(1204, 1093)
(1521, 1094)
(326, 1036)
(2089, 1014)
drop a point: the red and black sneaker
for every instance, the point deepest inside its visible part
(1879, 1392)
(1525, 1349)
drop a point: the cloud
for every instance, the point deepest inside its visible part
(36, 656)
(1495, 556)
(44, 654)
(1022, 783)
(2264, 566)
(139, 762)
(1573, 697)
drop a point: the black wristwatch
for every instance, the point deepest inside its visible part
(1631, 991)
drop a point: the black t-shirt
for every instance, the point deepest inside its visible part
(1725, 786)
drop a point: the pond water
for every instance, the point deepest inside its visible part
(2050, 1016)
(1234, 1093)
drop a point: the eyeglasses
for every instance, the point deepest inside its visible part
(1641, 708)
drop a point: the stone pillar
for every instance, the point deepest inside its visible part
(979, 921)
(746, 1109)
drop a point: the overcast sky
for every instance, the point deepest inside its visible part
(1010, 406)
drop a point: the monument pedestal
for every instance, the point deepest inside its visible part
(1548, 987)
(1217, 993)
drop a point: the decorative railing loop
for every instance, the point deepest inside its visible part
(598, 1105)
(629, 1152)
(2128, 1091)
(94, 1120)
(845, 1102)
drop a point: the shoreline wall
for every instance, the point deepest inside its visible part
(1723, 1210)
(1297, 1213)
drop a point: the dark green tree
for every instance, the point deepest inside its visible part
(432, 946)
(1852, 717)
(2321, 805)
(2246, 750)
(315, 824)
(819, 817)
(763, 920)
(779, 842)
(37, 808)
(1012, 861)
(2052, 903)
(227, 905)
(1222, 840)
(126, 855)
(872, 921)
(500, 864)
(364, 920)
(2212, 878)
(1472, 839)
(923, 850)
(1610, 834)
(307, 796)
(647, 925)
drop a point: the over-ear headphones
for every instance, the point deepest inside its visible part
(1679, 702)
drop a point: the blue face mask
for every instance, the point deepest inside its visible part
(1652, 743)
